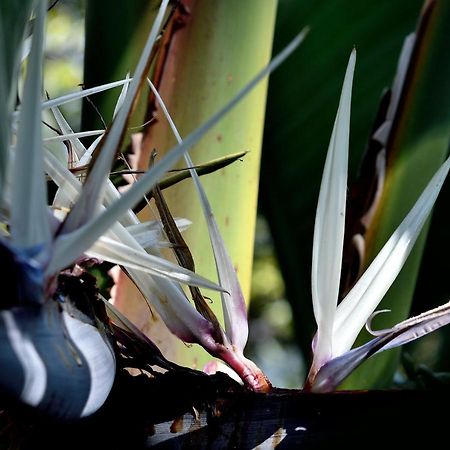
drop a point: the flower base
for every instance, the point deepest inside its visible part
(176, 411)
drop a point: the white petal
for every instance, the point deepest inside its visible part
(335, 371)
(122, 96)
(86, 158)
(72, 136)
(113, 251)
(330, 223)
(416, 327)
(382, 133)
(354, 311)
(84, 93)
(65, 128)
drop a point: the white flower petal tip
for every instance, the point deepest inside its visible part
(370, 319)
(84, 93)
(330, 223)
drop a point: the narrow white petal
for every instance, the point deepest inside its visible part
(330, 223)
(400, 75)
(149, 238)
(416, 327)
(122, 96)
(118, 253)
(62, 176)
(335, 371)
(29, 221)
(361, 301)
(84, 93)
(72, 136)
(65, 128)
(233, 302)
(86, 158)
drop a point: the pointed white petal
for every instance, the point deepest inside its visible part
(335, 371)
(122, 96)
(118, 253)
(72, 136)
(84, 93)
(29, 221)
(233, 302)
(86, 158)
(330, 222)
(88, 234)
(149, 236)
(62, 176)
(416, 327)
(65, 128)
(26, 48)
(354, 311)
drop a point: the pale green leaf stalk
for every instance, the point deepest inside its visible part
(217, 50)
(417, 147)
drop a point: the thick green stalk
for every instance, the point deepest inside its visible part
(218, 48)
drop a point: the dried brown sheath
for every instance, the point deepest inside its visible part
(184, 257)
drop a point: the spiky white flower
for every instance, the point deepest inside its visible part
(339, 325)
